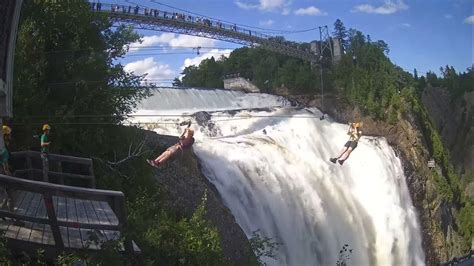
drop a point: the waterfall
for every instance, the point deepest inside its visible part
(282, 183)
(195, 100)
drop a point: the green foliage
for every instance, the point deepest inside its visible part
(263, 246)
(444, 189)
(340, 32)
(172, 240)
(67, 259)
(268, 70)
(4, 252)
(466, 220)
(65, 69)
(456, 83)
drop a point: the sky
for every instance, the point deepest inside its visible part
(421, 34)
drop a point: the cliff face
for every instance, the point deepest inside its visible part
(184, 186)
(436, 217)
(455, 122)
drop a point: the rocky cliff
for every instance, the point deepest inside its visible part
(184, 186)
(454, 120)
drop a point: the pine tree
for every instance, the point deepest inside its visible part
(340, 32)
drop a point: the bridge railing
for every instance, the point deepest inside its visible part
(180, 17)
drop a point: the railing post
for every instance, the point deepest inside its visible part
(119, 209)
(91, 172)
(48, 202)
(44, 158)
(60, 170)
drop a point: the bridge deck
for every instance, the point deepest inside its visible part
(67, 209)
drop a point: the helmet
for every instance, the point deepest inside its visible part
(46, 126)
(358, 124)
(6, 130)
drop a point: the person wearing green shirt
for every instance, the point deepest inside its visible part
(45, 142)
(45, 139)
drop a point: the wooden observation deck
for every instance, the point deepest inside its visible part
(56, 217)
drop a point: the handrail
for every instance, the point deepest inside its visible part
(54, 157)
(57, 158)
(58, 190)
(58, 174)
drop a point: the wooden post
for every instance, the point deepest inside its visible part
(48, 202)
(119, 209)
(91, 172)
(60, 170)
(44, 158)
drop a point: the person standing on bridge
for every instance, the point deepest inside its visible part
(45, 142)
(186, 140)
(354, 133)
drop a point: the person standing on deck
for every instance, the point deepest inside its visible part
(5, 152)
(45, 142)
(5, 194)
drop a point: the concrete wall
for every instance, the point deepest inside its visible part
(240, 84)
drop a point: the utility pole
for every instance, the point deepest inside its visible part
(322, 85)
(325, 44)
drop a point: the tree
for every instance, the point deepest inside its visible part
(340, 32)
(432, 79)
(415, 74)
(382, 46)
(177, 82)
(66, 67)
(356, 40)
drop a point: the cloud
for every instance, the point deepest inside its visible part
(156, 72)
(246, 6)
(448, 16)
(172, 40)
(216, 53)
(469, 20)
(266, 23)
(389, 7)
(310, 11)
(405, 25)
(266, 5)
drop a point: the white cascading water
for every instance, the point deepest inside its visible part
(282, 183)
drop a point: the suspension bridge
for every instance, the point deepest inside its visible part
(146, 18)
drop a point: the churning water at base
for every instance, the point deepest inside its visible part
(282, 183)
